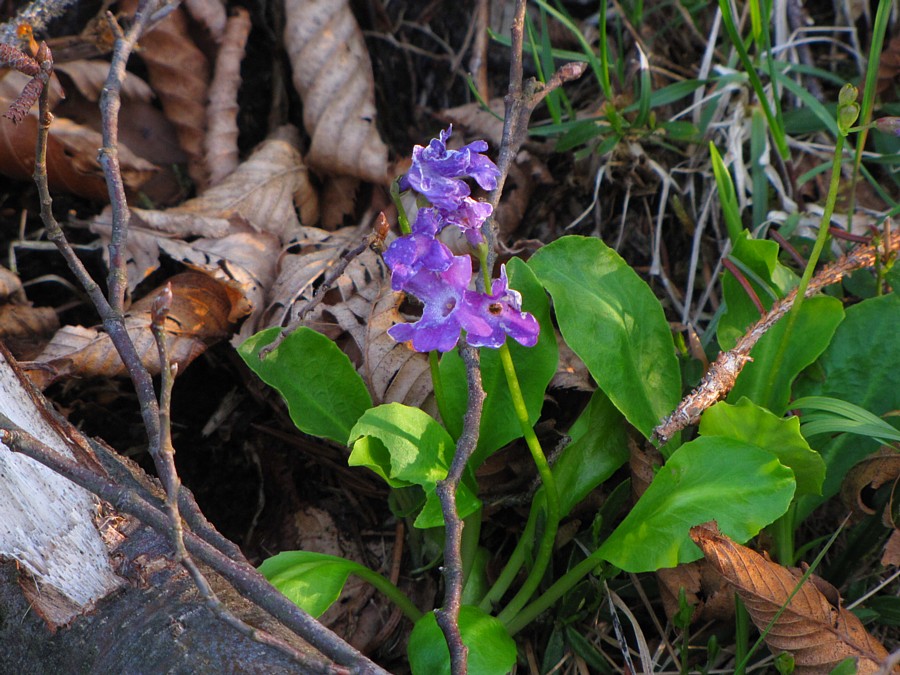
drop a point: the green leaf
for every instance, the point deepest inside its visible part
(739, 485)
(599, 447)
(324, 393)
(535, 366)
(860, 367)
(758, 259)
(727, 198)
(613, 321)
(768, 383)
(752, 424)
(313, 581)
(406, 446)
(491, 649)
(832, 416)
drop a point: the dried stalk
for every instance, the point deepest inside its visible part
(448, 615)
(723, 372)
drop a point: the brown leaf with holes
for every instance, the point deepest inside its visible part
(202, 313)
(221, 114)
(333, 75)
(179, 74)
(816, 632)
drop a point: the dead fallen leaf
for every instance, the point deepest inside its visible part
(89, 78)
(209, 13)
(333, 75)
(179, 74)
(817, 633)
(259, 196)
(200, 315)
(874, 471)
(71, 152)
(486, 124)
(891, 555)
(221, 113)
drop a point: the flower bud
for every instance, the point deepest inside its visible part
(888, 125)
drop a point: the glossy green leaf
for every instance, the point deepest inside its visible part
(758, 261)
(324, 393)
(752, 424)
(598, 448)
(860, 366)
(491, 649)
(612, 320)
(313, 581)
(407, 446)
(767, 380)
(535, 366)
(739, 485)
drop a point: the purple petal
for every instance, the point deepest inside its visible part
(469, 217)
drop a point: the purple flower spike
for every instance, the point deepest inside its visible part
(445, 311)
(469, 218)
(408, 255)
(437, 172)
(502, 310)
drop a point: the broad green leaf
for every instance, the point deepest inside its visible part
(752, 424)
(535, 366)
(758, 261)
(491, 649)
(768, 383)
(612, 320)
(599, 447)
(313, 581)
(407, 446)
(324, 393)
(860, 366)
(739, 485)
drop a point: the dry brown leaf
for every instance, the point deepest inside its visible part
(247, 259)
(817, 633)
(222, 111)
(89, 78)
(200, 315)
(259, 196)
(486, 124)
(571, 373)
(10, 286)
(361, 306)
(891, 555)
(888, 66)
(179, 74)
(333, 75)
(874, 471)
(71, 152)
(209, 13)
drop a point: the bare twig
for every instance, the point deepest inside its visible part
(448, 615)
(242, 576)
(520, 101)
(723, 373)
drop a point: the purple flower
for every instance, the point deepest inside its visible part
(469, 217)
(419, 250)
(889, 125)
(446, 310)
(437, 173)
(502, 310)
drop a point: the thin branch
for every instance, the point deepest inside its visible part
(448, 615)
(243, 577)
(722, 374)
(520, 102)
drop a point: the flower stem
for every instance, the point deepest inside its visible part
(437, 383)
(514, 564)
(545, 548)
(392, 593)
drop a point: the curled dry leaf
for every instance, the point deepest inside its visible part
(209, 13)
(333, 75)
(200, 315)
(179, 74)
(816, 632)
(874, 471)
(259, 196)
(222, 111)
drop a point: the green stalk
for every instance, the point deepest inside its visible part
(545, 548)
(394, 594)
(513, 565)
(547, 599)
(437, 383)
